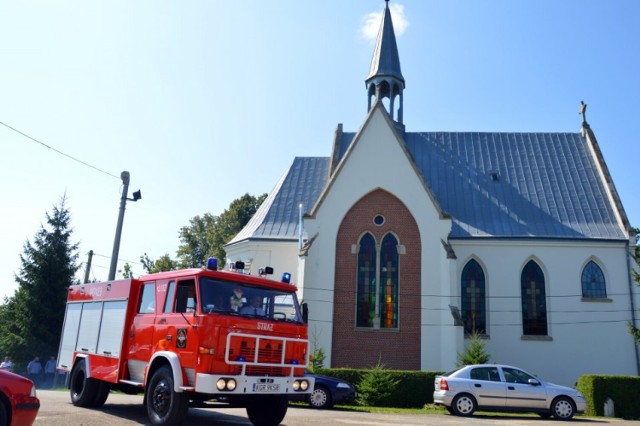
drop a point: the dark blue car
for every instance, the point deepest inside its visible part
(328, 391)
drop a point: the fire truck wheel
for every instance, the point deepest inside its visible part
(101, 395)
(268, 410)
(84, 390)
(164, 405)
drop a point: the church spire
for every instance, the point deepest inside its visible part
(385, 79)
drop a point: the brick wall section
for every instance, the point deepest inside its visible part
(362, 347)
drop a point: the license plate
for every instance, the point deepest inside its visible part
(266, 387)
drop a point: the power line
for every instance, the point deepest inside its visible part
(58, 151)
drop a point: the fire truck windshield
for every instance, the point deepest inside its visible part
(231, 298)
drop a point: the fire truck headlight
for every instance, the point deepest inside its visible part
(304, 385)
(221, 384)
(295, 385)
(231, 384)
(224, 384)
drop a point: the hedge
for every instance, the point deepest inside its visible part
(415, 388)
(624, 391)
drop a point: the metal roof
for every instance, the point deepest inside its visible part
(543, 185)
(277, 217)
(504, 185)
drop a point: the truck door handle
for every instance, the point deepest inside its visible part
(131, 334)
(163, 320)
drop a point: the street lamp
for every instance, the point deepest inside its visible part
(116, 242)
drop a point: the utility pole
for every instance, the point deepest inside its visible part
(116, 242)
(86, 272)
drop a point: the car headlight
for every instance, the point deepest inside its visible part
(343, 386)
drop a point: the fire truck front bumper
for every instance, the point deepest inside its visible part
(252, 385)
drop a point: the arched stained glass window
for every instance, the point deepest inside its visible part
(593, 284)
(534, 305)
(389, 282)
(366, 281)
(473, 298)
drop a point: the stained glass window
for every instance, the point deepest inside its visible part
(389, 282)
(593, 284)
(534, 306)
(366, 281)
(473, 298)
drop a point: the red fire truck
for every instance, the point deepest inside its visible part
(186, 337)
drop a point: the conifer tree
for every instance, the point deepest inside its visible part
(475, 352)
(31, 320)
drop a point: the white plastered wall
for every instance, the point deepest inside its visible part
(587, 337)
(377, 161)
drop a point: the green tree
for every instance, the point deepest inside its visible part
(474, 353)
(206, 235)
(162, 264)
(376, 387)
(31, 320)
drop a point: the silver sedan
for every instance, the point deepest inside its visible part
(492, 387)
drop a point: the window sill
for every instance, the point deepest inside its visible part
(596, 300)
(536, 338)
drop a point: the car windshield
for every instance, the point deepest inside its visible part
(232, 298)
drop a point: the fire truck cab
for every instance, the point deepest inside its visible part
(184, 337)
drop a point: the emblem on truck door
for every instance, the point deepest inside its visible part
(181, 341)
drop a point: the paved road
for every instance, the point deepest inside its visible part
(56, 409)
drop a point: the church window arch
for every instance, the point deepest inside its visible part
(388, 300)
(473, 300)
(533, 296)
(377, 282)
(593, 282)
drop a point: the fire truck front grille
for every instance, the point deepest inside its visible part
(266, 355)
(267, 371)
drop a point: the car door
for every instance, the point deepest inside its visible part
(523, 390)
(488, 388)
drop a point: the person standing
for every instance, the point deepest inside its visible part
(34, 368)
(50, 371)
(6, 364)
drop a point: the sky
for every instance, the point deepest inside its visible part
(204, 101)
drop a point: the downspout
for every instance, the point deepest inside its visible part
(633, 308)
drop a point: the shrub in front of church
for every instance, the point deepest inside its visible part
(622, 390)
(413, 390)
(376, 387)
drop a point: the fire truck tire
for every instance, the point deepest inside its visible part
(268, 410)
(83, 390)
(101, 395)
(164, 405)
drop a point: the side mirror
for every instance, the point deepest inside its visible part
(533, 382)
(305, 313)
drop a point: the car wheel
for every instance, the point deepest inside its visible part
(463, 405)
(320, 398)
(563, 408)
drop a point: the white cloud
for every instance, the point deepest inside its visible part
(371, 22)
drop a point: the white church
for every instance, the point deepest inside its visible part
(403, 244)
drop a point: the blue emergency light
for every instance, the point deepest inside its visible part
(212, 264)
(286, 277)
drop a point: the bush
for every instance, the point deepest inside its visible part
(474, 353)
(376, 387)
(414, 388)
(623, 390)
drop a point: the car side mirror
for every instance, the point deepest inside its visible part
(533, 382)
